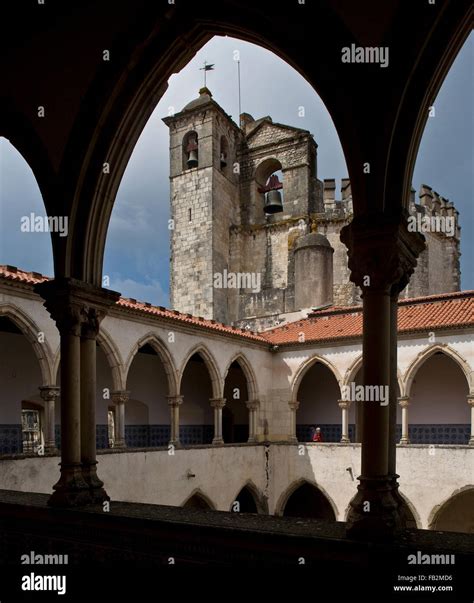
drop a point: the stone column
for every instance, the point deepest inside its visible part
(174, 403)
(294, 405)
(94, 308)
(49, 393)
(381, 253)
(470, 401)
(344, 405)
(77, 309)
(404, 403)
(217, 404)
(252, 406)
(71, 489)
(120, 398)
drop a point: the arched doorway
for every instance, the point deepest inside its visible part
(318, 395)
(196, 416)
(21, 411)
(235, 415)
(198, 501)
(438, 411)
(246, 501)
(307, 500)
(147, 421)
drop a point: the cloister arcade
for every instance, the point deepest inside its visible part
(108, 106)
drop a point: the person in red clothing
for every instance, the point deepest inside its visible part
(317, 435)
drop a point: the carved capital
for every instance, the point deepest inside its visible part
(252, 404)
(175, 400)
(49, 393)
(404, 401)
(121, 396)
(217, 402)
(76, 307)
(294, 405)
(470, 399)
(382, 251)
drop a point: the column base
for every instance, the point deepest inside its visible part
(293, 440)
(71, 490)
(51, 449)
(96, 486)
(217, 441)
(252, 440)
(174, 443)
(373, 511)
(345, 440)
(471, 441)
(404, 441)
(120, 444)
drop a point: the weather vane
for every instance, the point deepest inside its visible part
(207, 67)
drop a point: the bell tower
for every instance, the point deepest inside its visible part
(204, 204)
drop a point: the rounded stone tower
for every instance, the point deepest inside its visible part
(313, 270)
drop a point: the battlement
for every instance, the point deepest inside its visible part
(432, 206)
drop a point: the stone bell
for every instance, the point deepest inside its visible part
(273, 203)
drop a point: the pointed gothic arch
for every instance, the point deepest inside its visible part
(163, 353)
(31, 331)
(303, 369)
(261, 505)
(198, 500)
(329, 510)
(211, 365)
(248, 371)
(351, 374)
(430, 351)
(114, 358)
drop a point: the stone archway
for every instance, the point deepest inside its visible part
(318, 393)
(198, 500)
(456, 514)
(305, 499)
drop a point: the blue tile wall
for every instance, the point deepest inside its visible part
(439, 434)
(196, 434)
(418, 434)
(11, 440)
(137, 436)
(159, 435)
(102, 436)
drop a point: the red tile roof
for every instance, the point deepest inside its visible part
(31, 278)
(448, 310)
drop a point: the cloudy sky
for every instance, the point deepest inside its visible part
(137, 250)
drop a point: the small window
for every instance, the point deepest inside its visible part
(31, 430)
(223, 154)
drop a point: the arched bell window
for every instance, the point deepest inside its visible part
(190, 150)
(223, 154)
(269, 180)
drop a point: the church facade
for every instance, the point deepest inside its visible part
(233, 262)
